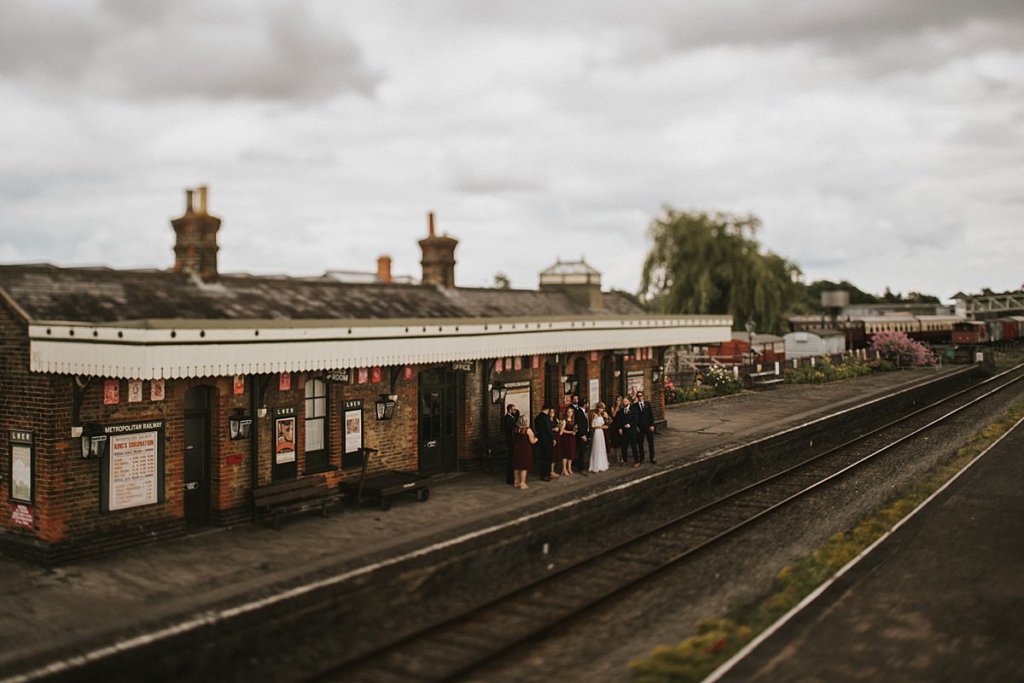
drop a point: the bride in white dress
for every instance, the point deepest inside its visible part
(599, 450)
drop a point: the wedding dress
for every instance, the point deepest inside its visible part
(599, 449)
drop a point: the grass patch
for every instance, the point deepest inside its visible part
(718, 639)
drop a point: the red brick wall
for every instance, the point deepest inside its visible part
(67, 487)
(26, 401)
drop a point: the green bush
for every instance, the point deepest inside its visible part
(827, 371)
(713, 382)
(723, 381)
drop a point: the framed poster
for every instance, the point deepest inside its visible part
(132, 473)
(284, 381)
(111, 392)
(156, 390)
(594, 390)
(22, 468)
(238, 385)
(352, 423)
(518, 394)
(634, 382)
(284, 440)
(135, 391)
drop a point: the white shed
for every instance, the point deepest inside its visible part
(814, 343)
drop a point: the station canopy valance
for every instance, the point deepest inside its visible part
(173, 349)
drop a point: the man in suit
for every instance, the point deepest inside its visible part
(625, 425)
(645, 423)
(508, 430)
(582, 434)
(545, 434)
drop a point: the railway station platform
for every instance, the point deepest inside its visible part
(940, 599)
(139, 594)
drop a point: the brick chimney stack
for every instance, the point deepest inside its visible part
(438, 257)
(195, 244)
(384, 269)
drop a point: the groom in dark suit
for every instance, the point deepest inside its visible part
(625, 425)
(645, 424)
(582, 435)
(545, 434)
(508, 430)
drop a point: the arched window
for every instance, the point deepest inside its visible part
(317, 455)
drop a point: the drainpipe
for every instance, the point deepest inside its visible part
(255, 397)
(488, 367)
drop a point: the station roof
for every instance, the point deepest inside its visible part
(104, 295)
(149, 324)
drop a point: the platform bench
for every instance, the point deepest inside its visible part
(293, 497)
(765, 379)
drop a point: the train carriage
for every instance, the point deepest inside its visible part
(968, 332)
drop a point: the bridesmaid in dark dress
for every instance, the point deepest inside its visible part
(522, 452)
(567, 441)
(613, 434)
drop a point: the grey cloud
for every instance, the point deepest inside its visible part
(269, 51)
(990, 134)
(843, 26)
(56, 44)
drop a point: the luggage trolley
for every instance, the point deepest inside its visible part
(383, 487)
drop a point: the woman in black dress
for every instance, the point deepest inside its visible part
(522, 451)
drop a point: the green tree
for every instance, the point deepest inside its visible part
(712, 263)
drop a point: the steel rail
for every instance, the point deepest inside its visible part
(485, 650)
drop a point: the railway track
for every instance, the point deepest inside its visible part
(458, 647)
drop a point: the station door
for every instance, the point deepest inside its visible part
(438, 433)
(197, 456)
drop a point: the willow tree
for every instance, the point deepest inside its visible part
(712, 263)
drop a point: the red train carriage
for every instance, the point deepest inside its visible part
(970, 332)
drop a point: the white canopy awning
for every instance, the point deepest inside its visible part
(176, 349)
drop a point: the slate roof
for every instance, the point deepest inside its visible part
(104, 295)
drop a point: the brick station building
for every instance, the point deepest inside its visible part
(138, 404)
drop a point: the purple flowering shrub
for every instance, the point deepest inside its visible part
(898, 348)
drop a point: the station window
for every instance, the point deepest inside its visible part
(317, 457)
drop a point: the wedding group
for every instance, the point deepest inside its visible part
(579, 440)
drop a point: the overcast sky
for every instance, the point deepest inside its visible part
(881, 142)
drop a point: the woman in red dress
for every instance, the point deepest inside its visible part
(522, 451)
(567, 441)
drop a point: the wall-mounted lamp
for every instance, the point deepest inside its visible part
(656, 374)
(571, 384)
(498, 392)
(239, 425)
(94, 442)
(261, 411)
(386, 406)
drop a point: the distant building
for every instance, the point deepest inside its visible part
(818, 342)
(382, 276)
(766, 347)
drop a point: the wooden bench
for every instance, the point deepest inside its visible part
(765, 379)
(293, 497)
